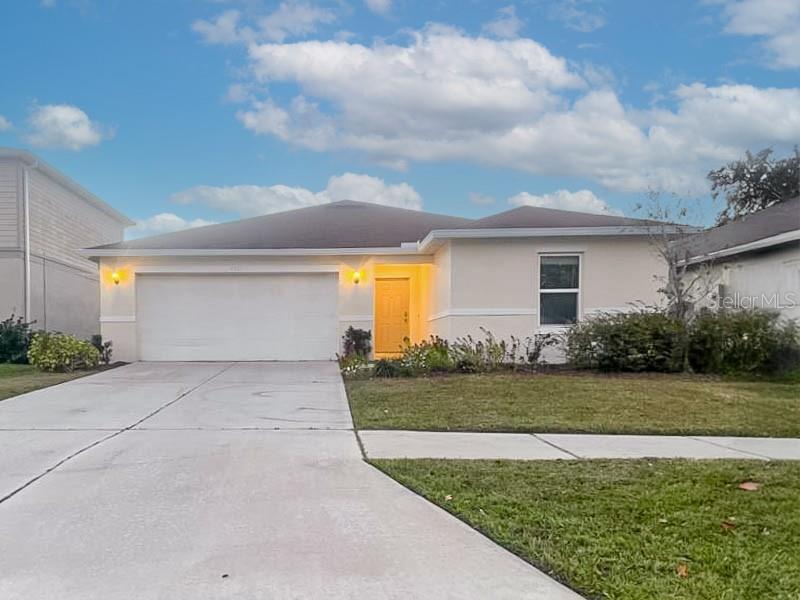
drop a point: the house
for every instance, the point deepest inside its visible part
(754, 260)
(45, 218)
(285, 286)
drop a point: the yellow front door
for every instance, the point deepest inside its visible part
(391, 315)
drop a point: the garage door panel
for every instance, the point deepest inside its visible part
(237, 317)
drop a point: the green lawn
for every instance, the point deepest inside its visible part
(19, 379)
(628, 529)
(578, 402)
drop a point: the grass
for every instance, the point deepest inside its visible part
(625, 529)
(579, 402)
(20, 379)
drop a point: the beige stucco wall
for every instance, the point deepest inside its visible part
(494, 283)
(464, 285)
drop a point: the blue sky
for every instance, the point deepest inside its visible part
(186, 112)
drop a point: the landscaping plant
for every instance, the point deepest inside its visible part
(356, 341)
(645, 340)
(723, 342)
(61, 352)
(104, 348)
(15, 335)
(743, 342)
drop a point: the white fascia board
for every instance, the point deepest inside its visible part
(774, 240)
(537, 232)
(133, 252)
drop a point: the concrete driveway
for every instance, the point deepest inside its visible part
(222, 480)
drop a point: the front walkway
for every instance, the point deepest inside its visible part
(223, 480)
(549, 446)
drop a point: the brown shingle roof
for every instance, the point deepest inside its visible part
(535, 216)
(345, 224)
(349, 224)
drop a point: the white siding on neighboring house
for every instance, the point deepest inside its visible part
(9, 204)
(62, 223)
(768, 279)
(64, 291)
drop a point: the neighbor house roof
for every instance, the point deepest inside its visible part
(37, 163)
(775, 225)
(363, 226)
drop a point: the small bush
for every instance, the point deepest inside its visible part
(353, 364)
(61, 352)
(743, 342)
(104, 348)
(645, 340)
(488, 354)
(356, 341)
(15, 336)
(430, 356)
(390, 367)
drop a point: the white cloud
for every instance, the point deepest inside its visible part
(5, 124)
(64, 126)
(506, 103)
(224, 29)
(253, 200)
(580, 201)
(164, 223)
(579, 15)
(506, 25)
(291, 18)
(294, 19)
(776, 21)
(380, 7)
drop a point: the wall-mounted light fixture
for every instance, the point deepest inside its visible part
(115, 277)
(356, 277)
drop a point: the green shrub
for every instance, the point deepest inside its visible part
(742, 342)
(429, 356)
(104, 348)
(645, 340)
(472, 355)
(61, 352)
(352, 364)
(390, 367)
(15, 335)
(356, 341)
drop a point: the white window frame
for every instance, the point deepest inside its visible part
(540, 291)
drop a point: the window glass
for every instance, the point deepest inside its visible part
(558, 272)
(558, 308)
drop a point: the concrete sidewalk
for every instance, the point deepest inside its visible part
(552, 446)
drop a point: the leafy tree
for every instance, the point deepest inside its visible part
(755, 182)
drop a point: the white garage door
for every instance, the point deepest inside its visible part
(288, 316)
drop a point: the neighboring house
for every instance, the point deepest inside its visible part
(754, 261)
(45, 219)
(287, 285)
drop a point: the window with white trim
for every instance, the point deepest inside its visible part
(559, 289)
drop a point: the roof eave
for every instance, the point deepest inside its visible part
(436, 237)
(210, 252)
(763, 243)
